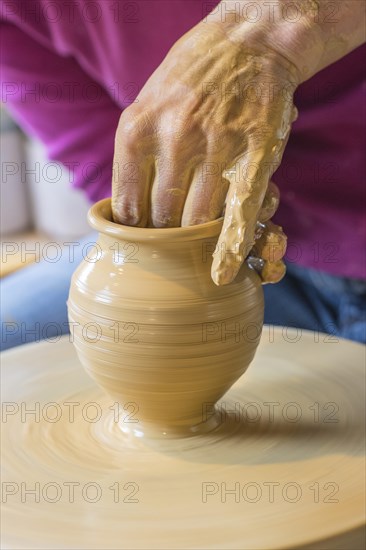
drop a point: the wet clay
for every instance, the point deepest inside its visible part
(152, 328)
(284, 479)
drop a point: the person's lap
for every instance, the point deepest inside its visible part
(34, 302)
(314, 300)
(33, 299)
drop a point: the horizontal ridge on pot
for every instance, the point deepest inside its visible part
(156, 329)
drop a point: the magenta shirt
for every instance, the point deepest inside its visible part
(68, 68)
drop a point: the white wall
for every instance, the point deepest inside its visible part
(35, 193)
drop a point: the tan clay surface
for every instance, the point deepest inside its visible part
(150, 325)
(151, 494)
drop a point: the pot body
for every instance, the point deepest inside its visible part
(153, 330)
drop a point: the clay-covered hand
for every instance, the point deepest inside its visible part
(270, 241)
(206, 134)
(208, 130)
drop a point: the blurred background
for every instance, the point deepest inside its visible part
(37, 203)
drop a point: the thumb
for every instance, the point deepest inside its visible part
(243, 204)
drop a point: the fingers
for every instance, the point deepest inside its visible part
(270, 203)
(132, 179)
(154, 164)
(170, 188)
(243, 205)
(273, 272)
(133, 172)
(271, 246)
(206, 196)
(269, 249)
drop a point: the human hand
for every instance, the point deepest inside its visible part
(204, 138)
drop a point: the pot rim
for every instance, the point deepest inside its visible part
(100, 218)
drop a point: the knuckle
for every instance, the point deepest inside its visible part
(126, 212)
(162, 217)
(129, 126)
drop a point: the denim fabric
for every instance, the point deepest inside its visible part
(314, 300)
(33, 301)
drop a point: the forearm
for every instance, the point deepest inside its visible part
(311, 34)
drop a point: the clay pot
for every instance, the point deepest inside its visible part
(153, 330)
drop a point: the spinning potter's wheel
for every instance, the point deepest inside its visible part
(285, 468)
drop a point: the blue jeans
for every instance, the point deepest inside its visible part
(33, 301)
(314, 300)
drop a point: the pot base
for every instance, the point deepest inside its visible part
(155, 431)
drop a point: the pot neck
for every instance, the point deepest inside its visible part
(100, 218)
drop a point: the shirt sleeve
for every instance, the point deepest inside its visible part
(54, 100)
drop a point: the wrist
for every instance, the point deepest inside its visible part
(286, 28)
(310, 34)
(296, 35)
